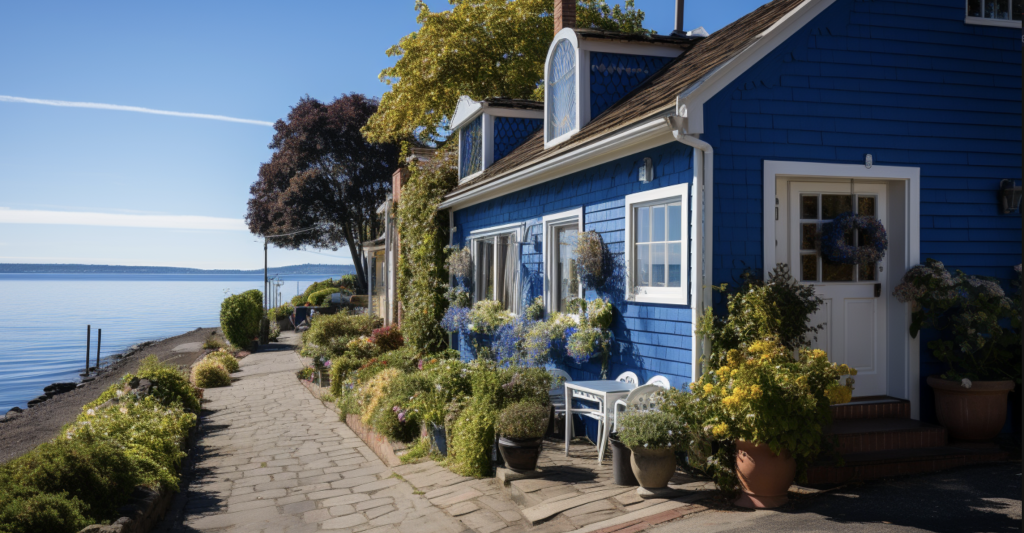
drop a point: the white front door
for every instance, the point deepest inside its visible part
(854, 307)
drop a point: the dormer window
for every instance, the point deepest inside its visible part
(561, 91)
(471, 149)
(492, 128)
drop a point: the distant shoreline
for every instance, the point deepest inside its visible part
(306, 269)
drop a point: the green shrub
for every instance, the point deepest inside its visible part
(212, 344)
(209, 374)
(240, 316)
(348, 281)
(341, 324)
(417, 451)
(284, 310)
(225, 358)
(395, 416)
(29, 511)
(650, 429)
(171, 385)
(487, 316)
(340, 369)
(523, 420)
(322, 297)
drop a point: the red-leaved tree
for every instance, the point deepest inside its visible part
(323, 175)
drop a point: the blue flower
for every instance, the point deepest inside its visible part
(455, 319)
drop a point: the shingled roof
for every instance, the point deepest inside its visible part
(656, 95)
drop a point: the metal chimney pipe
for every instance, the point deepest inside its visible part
(679, 18)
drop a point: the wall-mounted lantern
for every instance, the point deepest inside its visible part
(1009, 197)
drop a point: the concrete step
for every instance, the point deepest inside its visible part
(862, 435)
(890, 463)
(872, 407)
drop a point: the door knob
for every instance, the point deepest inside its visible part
(878, 290)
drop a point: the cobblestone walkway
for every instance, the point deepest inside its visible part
(270, 457)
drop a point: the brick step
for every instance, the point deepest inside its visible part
(890, 463)
(861, 435)
(882, 407)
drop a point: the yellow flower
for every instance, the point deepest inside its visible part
(724, 372)
(708, 388)
(734, 357)
(818, 353)
(720, 429)
(730, 401)
(755, 391)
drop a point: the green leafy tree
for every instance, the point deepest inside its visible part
(240, 316)
(479, 48)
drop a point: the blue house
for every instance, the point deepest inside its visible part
(699, 157)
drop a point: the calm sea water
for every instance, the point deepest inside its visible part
(43, 319)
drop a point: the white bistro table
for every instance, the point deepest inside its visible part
(605, 392)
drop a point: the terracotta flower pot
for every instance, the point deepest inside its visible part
(764, 477)
(520, 454)
(976, 414)
(653, 468)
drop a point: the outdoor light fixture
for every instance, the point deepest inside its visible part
(646, 171)
(1009, 197)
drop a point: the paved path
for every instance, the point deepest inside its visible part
(273, 458)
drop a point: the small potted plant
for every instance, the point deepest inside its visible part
(653, 437)
(774, 408)
(522, 426)
(978, 329)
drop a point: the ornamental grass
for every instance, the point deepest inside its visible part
(209, 373)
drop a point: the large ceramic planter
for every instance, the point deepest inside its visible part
(622, 464)
(976, 414)
(653, 468)
(520, 454)
(440, 439)
(764, 477)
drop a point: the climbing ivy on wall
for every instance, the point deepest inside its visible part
(422, 276)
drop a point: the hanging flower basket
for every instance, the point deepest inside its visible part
(834, 247)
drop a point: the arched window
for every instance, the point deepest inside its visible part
(561, 88)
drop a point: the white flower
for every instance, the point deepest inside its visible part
(124, 410)
(965, 383)
(90, 412)
(120, 393)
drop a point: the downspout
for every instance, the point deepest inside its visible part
(387, 261)
(703, 240)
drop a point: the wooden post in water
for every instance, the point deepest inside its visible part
(99, 339)
(88, 345)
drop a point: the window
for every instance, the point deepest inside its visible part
(471, 151)
(817, 209)
(561, 91)
(561, 281)
(657, 251)
(995, 12)
(496, 267)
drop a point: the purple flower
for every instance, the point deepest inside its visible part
(401, 416)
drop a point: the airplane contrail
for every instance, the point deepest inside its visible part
(78, 218)
(114, 107)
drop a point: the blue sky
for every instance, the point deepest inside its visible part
(185, 178)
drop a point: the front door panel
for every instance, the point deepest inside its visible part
(852, 315)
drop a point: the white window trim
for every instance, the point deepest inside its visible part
(516, 230)
(582, 86)
(985, 21)
(487, 151)
(550, 222)
(675, 295)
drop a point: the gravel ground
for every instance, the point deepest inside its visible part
(42, 422)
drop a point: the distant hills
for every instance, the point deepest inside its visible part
(306, 269)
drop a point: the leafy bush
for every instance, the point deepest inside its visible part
(212, 344)
(523, 420)
(761, 395)
(487, 316)
(387, 338)
(322, 297)
(394, 417)
(447, 380)
(225, 358)
(978, 325)
(341, 324)
(460, 263)
(592, 259)
(777, 309)
(651, 429)
(284, 310)
(240, 318)
(371, 394)
(171, 386)
(275, 332)
(546, 338)
(535, 311)
(209, 374)
(348, 281)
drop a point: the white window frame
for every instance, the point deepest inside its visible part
(582, 86)
(516, 231)
(550, 223)
(667, 295)
(486, 149)
(985, 21)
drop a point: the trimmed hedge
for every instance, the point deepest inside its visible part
(240, 316)
(321, 297)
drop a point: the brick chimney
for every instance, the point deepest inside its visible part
(565, 14)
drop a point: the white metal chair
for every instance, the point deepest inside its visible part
(628, 377)
(601, 415)
(557, 392)
(660, 381)
(643, 398)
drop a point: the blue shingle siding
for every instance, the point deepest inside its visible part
(510, 132)
(612, 76)
(650, 339)
(906, 81)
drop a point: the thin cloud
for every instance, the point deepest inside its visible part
(78, 218)
(113, 107)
